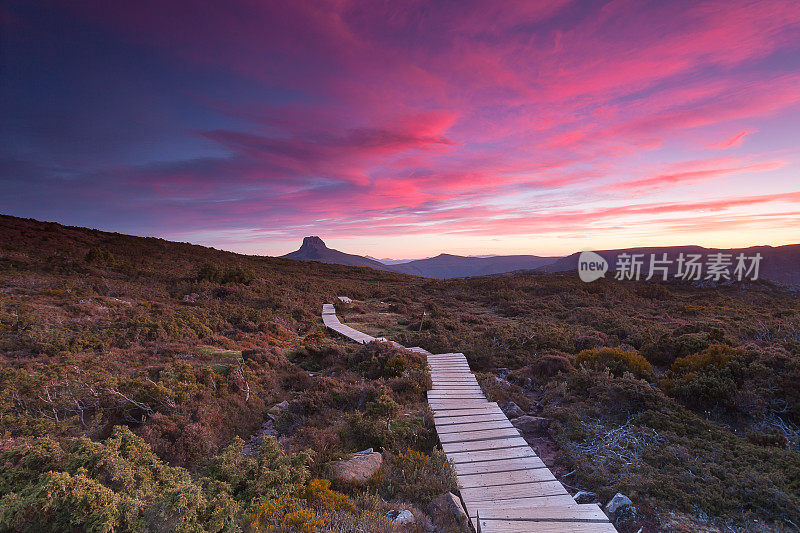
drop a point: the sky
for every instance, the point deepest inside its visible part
(406, 129)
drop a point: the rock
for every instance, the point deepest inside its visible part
(532, 424)
(512, 410)
(584, 496)
(368, 450)
(448, 504)
(190, 298)
(617, 503)
(277, 409)
(402, 518)
(622, 510)
(357, 469)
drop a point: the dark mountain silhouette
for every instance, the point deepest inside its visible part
(780, 264)
(442, 266)
(458, 266)
(314, 249)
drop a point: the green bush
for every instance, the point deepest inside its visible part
(616, 361)
(708, 378)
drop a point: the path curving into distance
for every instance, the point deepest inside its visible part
(505, 486)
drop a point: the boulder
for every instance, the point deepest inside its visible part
(277, 409)
(448, 504)
(618, 503)
(512, 410)
(358, 469)
(401, 518)
(584, 496)
(532, 424)
(621, 510)
(190, 298)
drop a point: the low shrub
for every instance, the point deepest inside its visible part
(616, 361)
(414, 476)
(709, 378)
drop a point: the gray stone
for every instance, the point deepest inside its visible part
(190, 298)
(402, 518)
(512, 410)
(277, 409)
(532, 424)
(584, 496)
(358, 469)
(621, 509)
(449, 504)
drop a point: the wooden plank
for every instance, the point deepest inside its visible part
(486, 410)
(587, 512)
(534, 475)
(444, 394)
(475, 426)
(513, 526)
(455, 409)
(491, 455)
(438, 403)
(479, 445)
(509, 492)
(473, 505)
(472, 418)
(465, 470)
(454, 392)
(483, 434)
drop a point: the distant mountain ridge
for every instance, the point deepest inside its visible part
(458, 266)
(780, 263)
(442, 266)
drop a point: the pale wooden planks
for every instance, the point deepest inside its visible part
(560, 526)
(589, 512)
(445, 429)
(497, 471)
(505, 487)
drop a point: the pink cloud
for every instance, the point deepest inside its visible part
(488, 118)
(730, 142)
(699, 173)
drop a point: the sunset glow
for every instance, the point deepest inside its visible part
(406, 129)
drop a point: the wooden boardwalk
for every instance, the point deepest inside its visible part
(503, 483)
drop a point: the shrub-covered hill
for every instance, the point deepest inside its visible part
(137, 377)
(142, 381)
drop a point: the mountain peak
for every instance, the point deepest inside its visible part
(313, 243)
